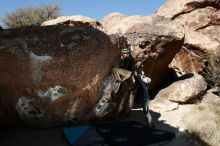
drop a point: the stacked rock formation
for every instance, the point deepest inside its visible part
(201, 22)
(154, 41)
(60, 72)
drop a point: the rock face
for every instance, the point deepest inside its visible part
(201, 20)
(183, 91)
(162, 105)
(211, 97)
(76, 20)
(212, 31)
(120, 23)
(174, 8)
(54, 74)
(186, 61)
(154, 41)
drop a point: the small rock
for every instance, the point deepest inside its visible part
(210, 97)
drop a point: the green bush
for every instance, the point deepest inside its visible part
(31, 16)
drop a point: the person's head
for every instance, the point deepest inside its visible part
(125, 52)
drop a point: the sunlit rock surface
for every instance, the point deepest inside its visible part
(184, 91)
(75, 20)
(154, 41)
(201, 20)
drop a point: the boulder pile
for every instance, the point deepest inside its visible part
(60, 72)
(201, 22)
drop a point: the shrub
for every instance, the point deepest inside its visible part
(31, 16)
(204, 124)
(212, 70)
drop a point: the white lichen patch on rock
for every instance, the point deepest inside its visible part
(105, 105)
(37, 63)
(53, 93)
(28, 110)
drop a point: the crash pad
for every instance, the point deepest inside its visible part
(129, 133)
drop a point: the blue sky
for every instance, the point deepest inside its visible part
(95, 9)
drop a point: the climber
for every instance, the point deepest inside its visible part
(143, 94)
(124, 71)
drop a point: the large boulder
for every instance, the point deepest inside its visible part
(154, 41)
(75, 20)
(174, 8)
(201, 20)
(120, 23)
(212, 31)
(56, 75)
(184, 91)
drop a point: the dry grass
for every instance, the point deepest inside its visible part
(212, 70)
(203, 122)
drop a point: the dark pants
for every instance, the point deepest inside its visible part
(145, 98)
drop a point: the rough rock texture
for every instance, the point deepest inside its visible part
(201, 20)
(212, 31)
(154, 41)
(54, 74)
(183, 91)
(162, 105)
(203, 43)
(120, 23)
(186, 61)
(174, 8)
(211, 97)
(76, 20)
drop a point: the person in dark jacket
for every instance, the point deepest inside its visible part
(125, 70)
(143, 94)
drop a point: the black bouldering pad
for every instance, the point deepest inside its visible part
(116, 134)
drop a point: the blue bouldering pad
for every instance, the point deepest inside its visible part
(83, 135)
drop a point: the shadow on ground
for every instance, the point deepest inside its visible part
(136, 114)
(54, 137)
